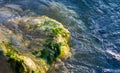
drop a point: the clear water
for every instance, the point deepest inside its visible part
(94, 27)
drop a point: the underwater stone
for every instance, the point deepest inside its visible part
(35, 44)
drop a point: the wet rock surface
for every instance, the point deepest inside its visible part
(33, 44)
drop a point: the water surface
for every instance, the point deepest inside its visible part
(94, 27)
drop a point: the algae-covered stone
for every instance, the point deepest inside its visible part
(32, 44)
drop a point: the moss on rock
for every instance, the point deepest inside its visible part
(34, 43)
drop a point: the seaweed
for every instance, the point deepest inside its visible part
(45, 42)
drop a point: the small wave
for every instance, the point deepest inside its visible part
(115, 55)
(111, 70)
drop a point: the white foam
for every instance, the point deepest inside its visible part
(112, 70)
(115, 55)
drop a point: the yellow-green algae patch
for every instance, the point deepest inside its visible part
(33, 44)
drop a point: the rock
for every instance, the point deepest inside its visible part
(33, 44)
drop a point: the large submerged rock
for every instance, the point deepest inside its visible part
(33, 44)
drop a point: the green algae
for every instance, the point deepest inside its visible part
(43, 41)
(15, 58)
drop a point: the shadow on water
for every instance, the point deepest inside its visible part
(94, 27)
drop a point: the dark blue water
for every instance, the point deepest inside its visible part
(94, 27)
